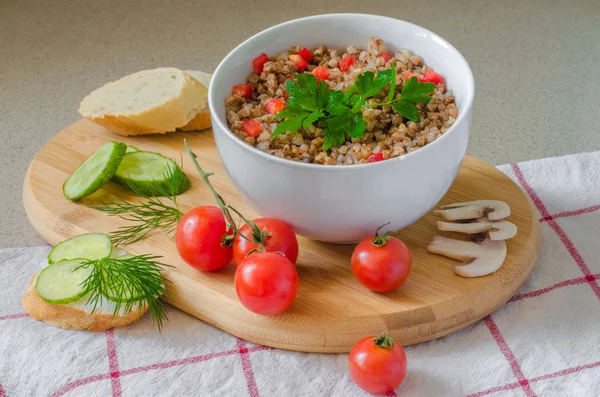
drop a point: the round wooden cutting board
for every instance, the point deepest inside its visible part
(332, 310)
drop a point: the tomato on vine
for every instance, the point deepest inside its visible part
(266, 282)
(201, 239)
(264, 235)
(273, 234)
(381, 263)
(377, 364)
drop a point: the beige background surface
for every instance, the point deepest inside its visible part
(536, 66)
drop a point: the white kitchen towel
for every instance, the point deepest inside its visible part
(544, 342)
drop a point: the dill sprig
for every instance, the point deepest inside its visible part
(148, 215)
(128, 281)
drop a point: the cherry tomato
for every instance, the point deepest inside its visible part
(198, 239)
(377, 364)
(266, 283)
(258, 63)
(280, 238)
(252, 128)
(381, 263)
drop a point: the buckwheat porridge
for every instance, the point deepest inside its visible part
(324, 107)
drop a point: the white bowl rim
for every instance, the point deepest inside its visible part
(344, 168)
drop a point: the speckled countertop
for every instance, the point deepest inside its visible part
(536, 66)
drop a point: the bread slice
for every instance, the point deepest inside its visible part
(202, 119)
(147, 102)
(72, 317)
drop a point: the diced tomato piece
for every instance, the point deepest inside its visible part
(408, 75)
(386, 57)
(275, 106)
(345, 63)
(376, 157)
(305, 54)
(433, 77)
(258, 63)
(321, 73)
(244, 90)
(300, 62)
(252, 128)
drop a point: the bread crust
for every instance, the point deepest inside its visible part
(170, 115)
(200, 122)
(70, 317)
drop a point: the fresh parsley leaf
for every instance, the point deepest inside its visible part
(340, 121)
(323, 95)
(311, 119)
(289, 125)
(357, 127)
(392, 83)
(334, 98)
(349, 92)
(368, 85)
(338, 108)
(383, 78)
(357, 102)
(353, 100)
(414, 92)
(308, 83)
(292, 88)
(332, 138)
(407, 110)
(291, 111)
(365, 82)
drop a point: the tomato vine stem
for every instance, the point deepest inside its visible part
(258, 236)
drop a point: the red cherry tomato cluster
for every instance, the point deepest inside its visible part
(265, 251)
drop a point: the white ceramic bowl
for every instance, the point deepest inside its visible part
(343, 204)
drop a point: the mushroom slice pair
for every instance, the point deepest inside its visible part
(482, 229)
(490, 209)
(483, 220)
(478, 259)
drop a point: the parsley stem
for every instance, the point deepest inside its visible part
(381, 103)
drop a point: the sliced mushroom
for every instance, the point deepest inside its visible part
(478, 259)
(494, 230)
(490, 209)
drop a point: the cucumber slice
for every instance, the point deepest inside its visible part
(117, 253)
(88, 246)
(60, 283)
(94, 172)
(144, 173)
(131, 149)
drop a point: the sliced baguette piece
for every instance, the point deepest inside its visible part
(202, 119)
(147, 102)
(71, 317)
